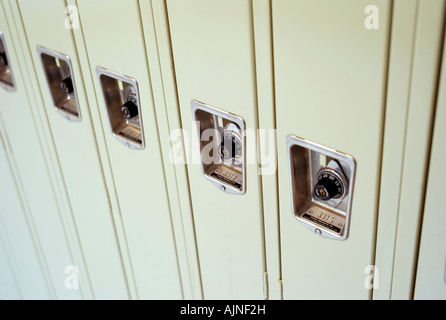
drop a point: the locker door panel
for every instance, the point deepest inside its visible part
(214, 64)
(421, 107)
(41, 206)
(415, 56)
(159, 57)
(330, 75)
(9, 289)
(138, 174)
(430, 281)
(77, 153)
(17, 239)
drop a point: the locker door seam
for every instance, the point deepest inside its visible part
(100, 157)
(168, 196)
(256, 104)
(178, 114)
(428, 155)
(382, 133)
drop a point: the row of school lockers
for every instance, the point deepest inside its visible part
(84, 217)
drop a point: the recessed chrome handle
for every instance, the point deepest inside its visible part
(59, 75)
(122, 102)
(222, 143)
(6, 77)
(321, 184)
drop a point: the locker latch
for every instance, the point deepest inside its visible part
(59, 75)
(121, 99)
(221, 140)
(6, 77)
(322, 181)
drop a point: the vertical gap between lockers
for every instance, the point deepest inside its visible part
(428, 154)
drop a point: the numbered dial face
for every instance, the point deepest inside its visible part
(231, 147)
(330, 185)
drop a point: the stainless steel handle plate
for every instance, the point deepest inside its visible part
(122, 102)
(222, 144)
(321, 184)
(59, 75)
(6, 76)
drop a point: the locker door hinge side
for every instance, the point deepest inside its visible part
(265, 286)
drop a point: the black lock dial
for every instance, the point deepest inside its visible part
(66, 85)
(3, 60)
(129, 109)
(329, 185)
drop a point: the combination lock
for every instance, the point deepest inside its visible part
(66, 85)
(331, 183)
(3, 59)
(231, 148)
(129, 109)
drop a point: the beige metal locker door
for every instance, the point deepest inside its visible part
(138, 174)
(414, 66)
(9, 289)
(430, 281)
(159, 58)
(330, 60)
(18, 240)
(77, 152)
(212, 44)
(31, 168)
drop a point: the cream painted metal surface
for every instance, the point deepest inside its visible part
(346, 75)
(138, 174)
(41, 207)
(9, 289)
(159, 58)
(404, 15)
(423, 93)
(215, 65)
(267, 147)
(430, 281)
(78, 156)
(330, 75)
(17, 240)
(417, 31)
